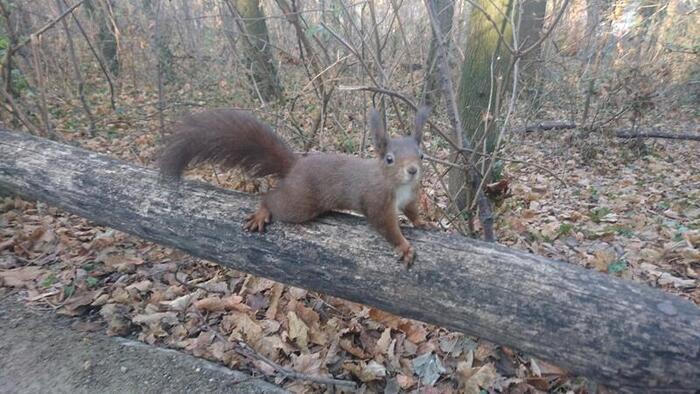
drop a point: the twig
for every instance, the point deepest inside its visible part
(445, 162)
(248, 351)
(100, 62)
(245, 350)
(17, 112)
(381, 90)
(352, 49)
(412, 105)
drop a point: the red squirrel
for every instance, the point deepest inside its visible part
(313, 184)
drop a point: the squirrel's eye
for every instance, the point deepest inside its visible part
(422, 156)
(389, 159)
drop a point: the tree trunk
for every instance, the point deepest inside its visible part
(531, 22)
(78, 75)
(431, 87)
(258, 53)
(106, 37)
(486, 62)
(621, 333)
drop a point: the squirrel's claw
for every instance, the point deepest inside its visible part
(407, 254)
(257, 220)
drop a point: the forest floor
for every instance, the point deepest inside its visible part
(600, 205)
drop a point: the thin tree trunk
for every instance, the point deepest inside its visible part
(161, 67)
(99, 59)
(43, 106)
(258, 52)
(483, 72)
(76, 70)
(431, 85)
(107, 37)
(532, 15)
(463, 144)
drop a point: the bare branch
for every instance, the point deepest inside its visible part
(47, 26)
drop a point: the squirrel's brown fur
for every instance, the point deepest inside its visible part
(312, 184)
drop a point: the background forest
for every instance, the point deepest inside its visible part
(568, 128)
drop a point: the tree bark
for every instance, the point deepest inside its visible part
(531, 23)
(258, 53)
(431, 86)
(486, 61)
(621, 333)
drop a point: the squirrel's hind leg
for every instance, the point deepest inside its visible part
(292, 204)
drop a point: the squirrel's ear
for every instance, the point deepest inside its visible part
(376, 125)
(421, 118)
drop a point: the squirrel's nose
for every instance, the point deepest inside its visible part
(412, 170)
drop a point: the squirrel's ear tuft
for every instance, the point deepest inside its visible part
(376, 125)
(421, 118)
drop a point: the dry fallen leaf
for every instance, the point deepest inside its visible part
(181, 303)
(20, 277)
(405, 381)
(385, 318)
(472, 380)
(428, 367)
(298, 330)
(383, 342)
(275, 295)
(415, 331)
(210, 304)
(243, 328)
(366, 372)
(169, 318)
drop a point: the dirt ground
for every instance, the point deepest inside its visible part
(42, 352)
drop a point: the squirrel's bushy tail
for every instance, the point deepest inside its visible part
(230, 137)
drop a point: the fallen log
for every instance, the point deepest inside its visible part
(544, 126)
(627, 133)
(623, 334)
(619, 132)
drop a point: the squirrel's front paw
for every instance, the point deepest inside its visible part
(407, 254)
(257, 221)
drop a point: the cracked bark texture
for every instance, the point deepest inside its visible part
(623, 334)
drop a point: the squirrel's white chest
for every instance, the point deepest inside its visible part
(403, 196)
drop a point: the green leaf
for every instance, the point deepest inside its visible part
(49, 281)
(69, 290)
(4, 42)
(617, 267)
(91, 281)
(565, 228)
(597, 214)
